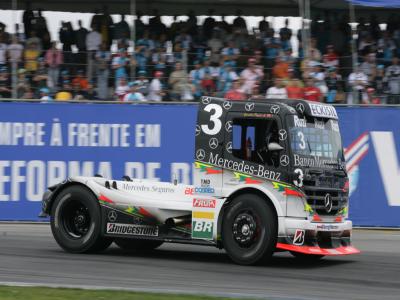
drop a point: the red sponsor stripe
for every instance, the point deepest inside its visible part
(289, 192)
(317, 218)
(105, 199)
(251, 181)
(209, 203)
(213, 171)
(144, 212)
(314, 250)
(355, 142)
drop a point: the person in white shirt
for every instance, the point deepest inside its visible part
(122, 88)
(156, 88)
(133, 94)
(3, 54)
(252, 75)
(358, 81)
(93, 42)
(15, 50)
(277, 91)
(44, 95)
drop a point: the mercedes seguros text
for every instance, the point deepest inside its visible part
(268, 176)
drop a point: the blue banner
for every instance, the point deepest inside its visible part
(42, 144)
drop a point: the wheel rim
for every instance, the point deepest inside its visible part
(245, 229)
(75, 219)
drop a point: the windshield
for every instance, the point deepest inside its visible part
(315, 142)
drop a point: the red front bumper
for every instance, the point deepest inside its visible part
(345, 250)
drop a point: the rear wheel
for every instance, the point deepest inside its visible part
(249, 230)
(137, 244)
(76, 221)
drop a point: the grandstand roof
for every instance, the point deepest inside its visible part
(180, 7)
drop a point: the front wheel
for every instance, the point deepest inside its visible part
(76, 221)
(249, 230)
(137, 244)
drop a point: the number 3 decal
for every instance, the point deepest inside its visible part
(213, 118)
(299, 182)
(302, 143)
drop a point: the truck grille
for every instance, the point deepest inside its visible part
(316, 199)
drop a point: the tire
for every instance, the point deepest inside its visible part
(75, 220)
(249, 230)
(137, 244)
(306, 257)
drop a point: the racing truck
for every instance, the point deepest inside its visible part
(268, 176)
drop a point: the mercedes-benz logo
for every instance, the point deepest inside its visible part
(300, 107)
(275, 109)
(112, 216)
(328, 203)
(249, 106)
(282, 135)
(213, 143)
(229, 147)
(228, 126)
(200, 154)
(292, 110)
(227, 105)
(205, 100)
(284, 160)
(198, 130)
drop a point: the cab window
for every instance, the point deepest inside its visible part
(250, 138)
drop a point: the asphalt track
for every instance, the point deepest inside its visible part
(29, 255)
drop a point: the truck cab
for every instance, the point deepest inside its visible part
(267, 176)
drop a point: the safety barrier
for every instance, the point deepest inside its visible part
(42, 144)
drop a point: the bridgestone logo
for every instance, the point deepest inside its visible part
(129, 229)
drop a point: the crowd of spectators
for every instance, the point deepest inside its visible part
(185, 60)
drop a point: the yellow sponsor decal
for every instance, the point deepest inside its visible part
(202, 215)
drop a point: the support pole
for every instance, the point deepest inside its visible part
(14, 64)
(354, 54)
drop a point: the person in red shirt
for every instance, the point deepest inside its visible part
(235, 93)
(294, 89)
(311, 92)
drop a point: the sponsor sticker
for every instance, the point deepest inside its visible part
(207, 203)
(298, 239)
(130, 229)
(202, 229)
(323, 111)
(199, 190)
(203, 215)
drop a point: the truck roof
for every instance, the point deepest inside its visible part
(277, 106)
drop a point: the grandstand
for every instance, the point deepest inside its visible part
(188, 59)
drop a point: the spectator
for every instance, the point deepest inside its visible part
(156, 88)
(393, 81)
(3, 53)
(80, 36)
(93, 42)
(277, 91)
(187, 91)
(239, 21)
(102, 58)
(40, 77)
(331, 59)
(368, 67)
(294, 89)
(33, 42)
(215, 44)
(80, 81)
(379, 82)
(67, 38)
(226, 78)
(281, 68)
(45, 95)
(230, 52)
(358, 82)
(90, 93)
(53, 59)
(142, 83)
(134, 94)
(121, 88)
(176, 79)
(334, 83)
(5, 84)
(251, 76)
(285, 34)
(256, 93)
(311, 92)
(15, 52)
(209, 24)
(319, 78)
(195, 76)
(31, 55)
(119, 64)
(121, 29)
(22, 83)
(235, 93)
(27, 18)
(64, 94)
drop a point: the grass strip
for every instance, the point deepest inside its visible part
(46, 293)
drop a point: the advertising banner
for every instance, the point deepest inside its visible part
(42, 144)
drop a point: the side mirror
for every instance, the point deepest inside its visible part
(274, 147)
